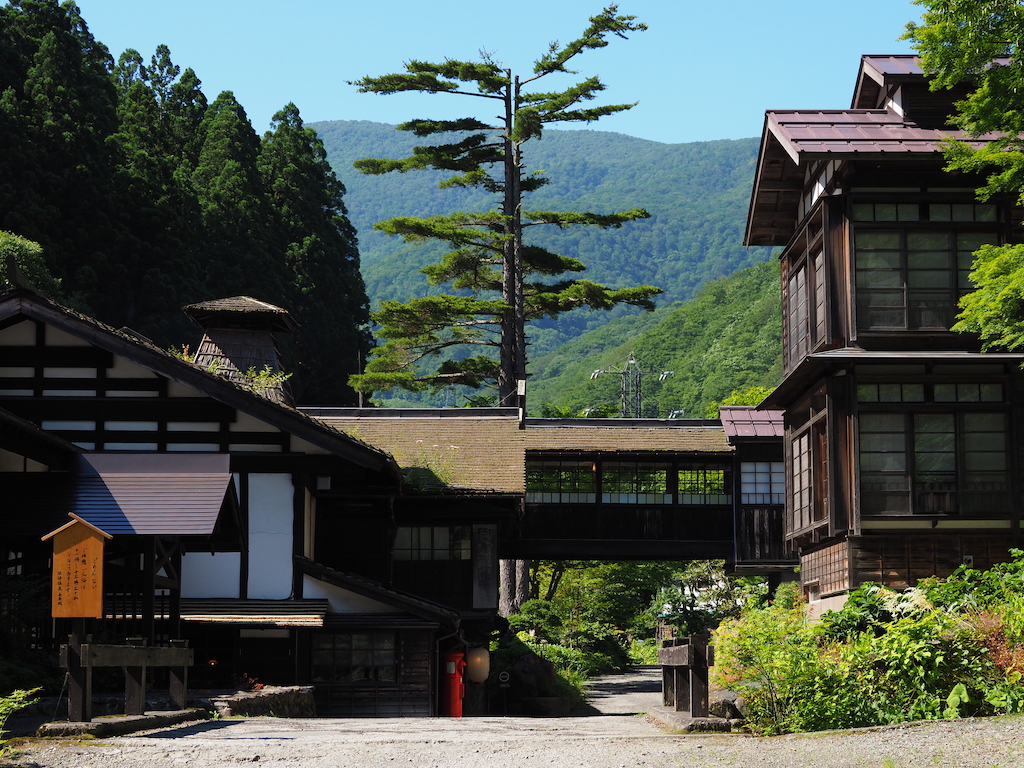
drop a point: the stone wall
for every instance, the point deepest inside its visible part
(274, 701)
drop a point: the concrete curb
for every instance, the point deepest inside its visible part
(118, 725)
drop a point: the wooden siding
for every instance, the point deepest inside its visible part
(409, 696)
(627, 521)
(759, 536)
(826, 569)
(74, 393)
(899, 562)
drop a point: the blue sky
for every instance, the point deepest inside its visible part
(703, 71)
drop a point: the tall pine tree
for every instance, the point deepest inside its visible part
(509, 282)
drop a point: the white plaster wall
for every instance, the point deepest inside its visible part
(204, 574)
(270, 536)
(341, 600)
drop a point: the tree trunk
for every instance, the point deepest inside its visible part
(506, 586)
(512, 356)
(513, 585)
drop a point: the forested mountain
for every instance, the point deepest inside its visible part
(697, 195)
(146, 197)
(728, 337)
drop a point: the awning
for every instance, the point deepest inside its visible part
(273, 613)
(153, 494)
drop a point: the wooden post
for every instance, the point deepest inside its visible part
(178, 679)
(135, 683)
(79, 676)
(668, 687)
(699, 675)
(682, 688)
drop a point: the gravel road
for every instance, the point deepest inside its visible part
(614, 737)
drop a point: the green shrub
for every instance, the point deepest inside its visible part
(643, 651)
(10, 704)
(886, 657)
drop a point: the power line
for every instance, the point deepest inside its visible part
(632, 391)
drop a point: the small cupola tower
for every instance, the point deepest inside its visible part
(239, 345)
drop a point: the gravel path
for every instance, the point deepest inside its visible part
(615, 737)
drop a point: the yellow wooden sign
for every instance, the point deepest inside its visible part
(77, 570)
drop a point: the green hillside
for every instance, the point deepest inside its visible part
(697, 195)
(727, 337)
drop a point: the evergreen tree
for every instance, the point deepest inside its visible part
(234, 208)
(488, 256)
(58, 110)
(319, 246)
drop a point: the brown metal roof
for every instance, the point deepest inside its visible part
(851, 132)
(153, 494)
(816, 366)
(793, 140)
(746, 421)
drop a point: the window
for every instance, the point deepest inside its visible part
(809, 477)
(934, 463)
(359, 657)
(635, 482)
(801, 481)
(551, 481)
(704, 486)
(762, 482)
(439, 542)
(805, 308)
(912, 279)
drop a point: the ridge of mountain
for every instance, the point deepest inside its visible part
(696, 193)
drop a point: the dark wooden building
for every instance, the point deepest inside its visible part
(902, 439)
(284, 549)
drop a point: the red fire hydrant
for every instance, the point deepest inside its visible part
(453, 690)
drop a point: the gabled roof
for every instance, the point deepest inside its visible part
(745, 422)
(142, 352)
(879, 73)
(794, 139)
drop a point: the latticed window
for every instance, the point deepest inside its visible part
(802, 494)
(704, 486)
(806, 308)
(551, 481)
(762, 482)
(437, 542)
(912, 279)
(354, 657)
(635, 482)
(934, 463)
